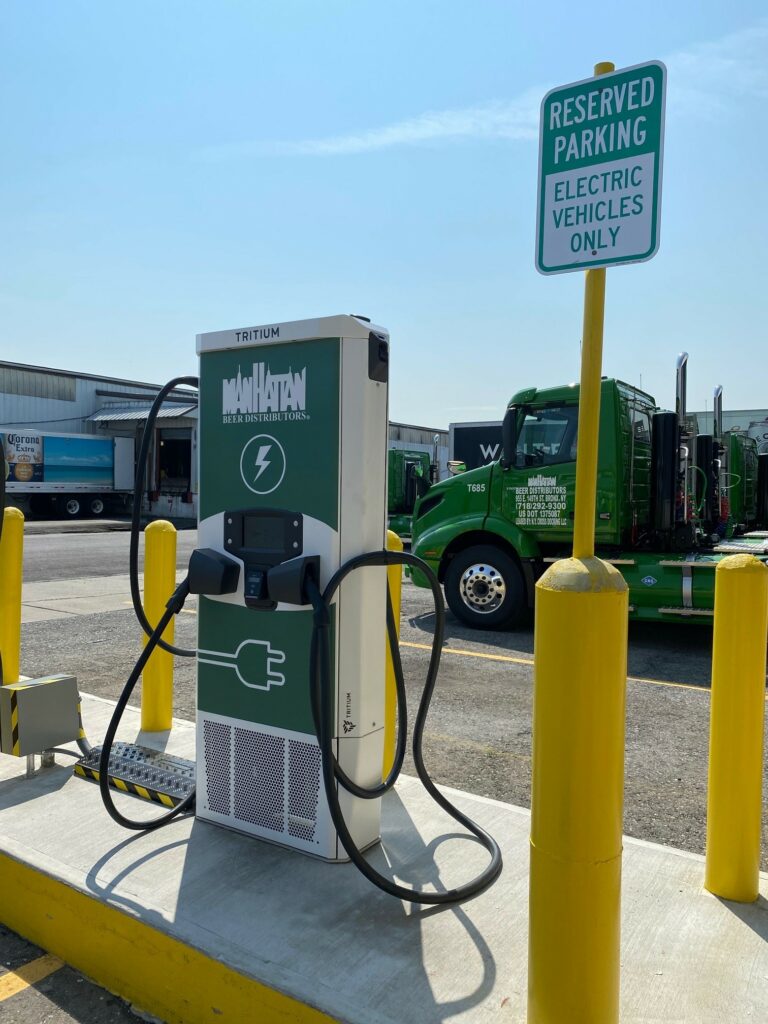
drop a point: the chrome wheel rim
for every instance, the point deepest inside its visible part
(482, 588)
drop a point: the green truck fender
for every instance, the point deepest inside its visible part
(438, 545)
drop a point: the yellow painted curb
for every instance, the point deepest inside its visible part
(159, 974)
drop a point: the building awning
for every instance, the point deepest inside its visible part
(116, 414)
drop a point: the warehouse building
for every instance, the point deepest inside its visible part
(41, 400)
(422, 439)
(753, 422)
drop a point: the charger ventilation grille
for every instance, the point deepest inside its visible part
(260, 779)
(217, 739)
(263, 781)
(303, 789)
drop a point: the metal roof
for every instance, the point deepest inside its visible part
(114, 414)
(82, 375)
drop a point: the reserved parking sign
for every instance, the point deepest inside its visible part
(600, 158)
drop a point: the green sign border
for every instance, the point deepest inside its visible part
(658, 167)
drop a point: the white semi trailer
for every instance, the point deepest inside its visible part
(69, 475)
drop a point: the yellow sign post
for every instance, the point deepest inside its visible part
(580, 671)
(589, 413)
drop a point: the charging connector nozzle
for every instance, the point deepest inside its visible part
(211, 572)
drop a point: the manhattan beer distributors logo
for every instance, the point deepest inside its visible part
(265, 397)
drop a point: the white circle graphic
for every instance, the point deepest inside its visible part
(260, 455)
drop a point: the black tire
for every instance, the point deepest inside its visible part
(485, 589)
(70, 506)
(96, 505)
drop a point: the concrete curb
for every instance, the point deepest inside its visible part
(159, 974)
(45, 527)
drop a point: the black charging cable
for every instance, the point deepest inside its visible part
(133, 552)
(173, 607)
(322, 697)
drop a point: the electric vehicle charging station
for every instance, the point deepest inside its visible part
(292, 449)
(292, 444)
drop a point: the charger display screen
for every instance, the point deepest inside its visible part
(264, 537)
(264, 533)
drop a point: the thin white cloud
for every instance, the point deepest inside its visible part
(513, 119)
(710, 78)
(704, 80)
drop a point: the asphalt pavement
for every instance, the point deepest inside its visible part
(59, 554)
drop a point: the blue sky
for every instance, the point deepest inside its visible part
(179, 167)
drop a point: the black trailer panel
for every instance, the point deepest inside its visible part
(475, 444)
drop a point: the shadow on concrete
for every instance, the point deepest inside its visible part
(754, 915)
(45, 780)
(104, 881)
(155, 740)
(317, 931)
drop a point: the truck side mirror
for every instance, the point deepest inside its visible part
(509, 438)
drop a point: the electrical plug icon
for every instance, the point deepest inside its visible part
(253, 663)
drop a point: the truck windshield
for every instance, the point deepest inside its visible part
(547, 436)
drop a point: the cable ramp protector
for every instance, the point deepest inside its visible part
(143, 772)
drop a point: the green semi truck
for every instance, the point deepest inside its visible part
(409, 475)
(670, 504)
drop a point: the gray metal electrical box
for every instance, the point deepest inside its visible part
(37, 714)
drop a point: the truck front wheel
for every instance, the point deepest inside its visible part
(484, 588)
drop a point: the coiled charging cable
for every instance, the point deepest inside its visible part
(321, 690)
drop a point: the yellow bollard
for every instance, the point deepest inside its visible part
(734, 793)
(11, 559)
(395, 577)
(577, 795)
(159, 584)
(580, 673)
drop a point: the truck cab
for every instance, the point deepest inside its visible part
(489, 533)
(409, 474)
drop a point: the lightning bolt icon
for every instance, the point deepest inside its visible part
(261, 460)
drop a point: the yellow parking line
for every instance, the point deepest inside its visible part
(16, 981)
(529, 661)
(664, 682)
(470, 654)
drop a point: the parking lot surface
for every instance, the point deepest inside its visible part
(478, 734)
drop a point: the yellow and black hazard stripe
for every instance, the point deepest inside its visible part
(144, 792)
(15, 725)
(80, 730)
